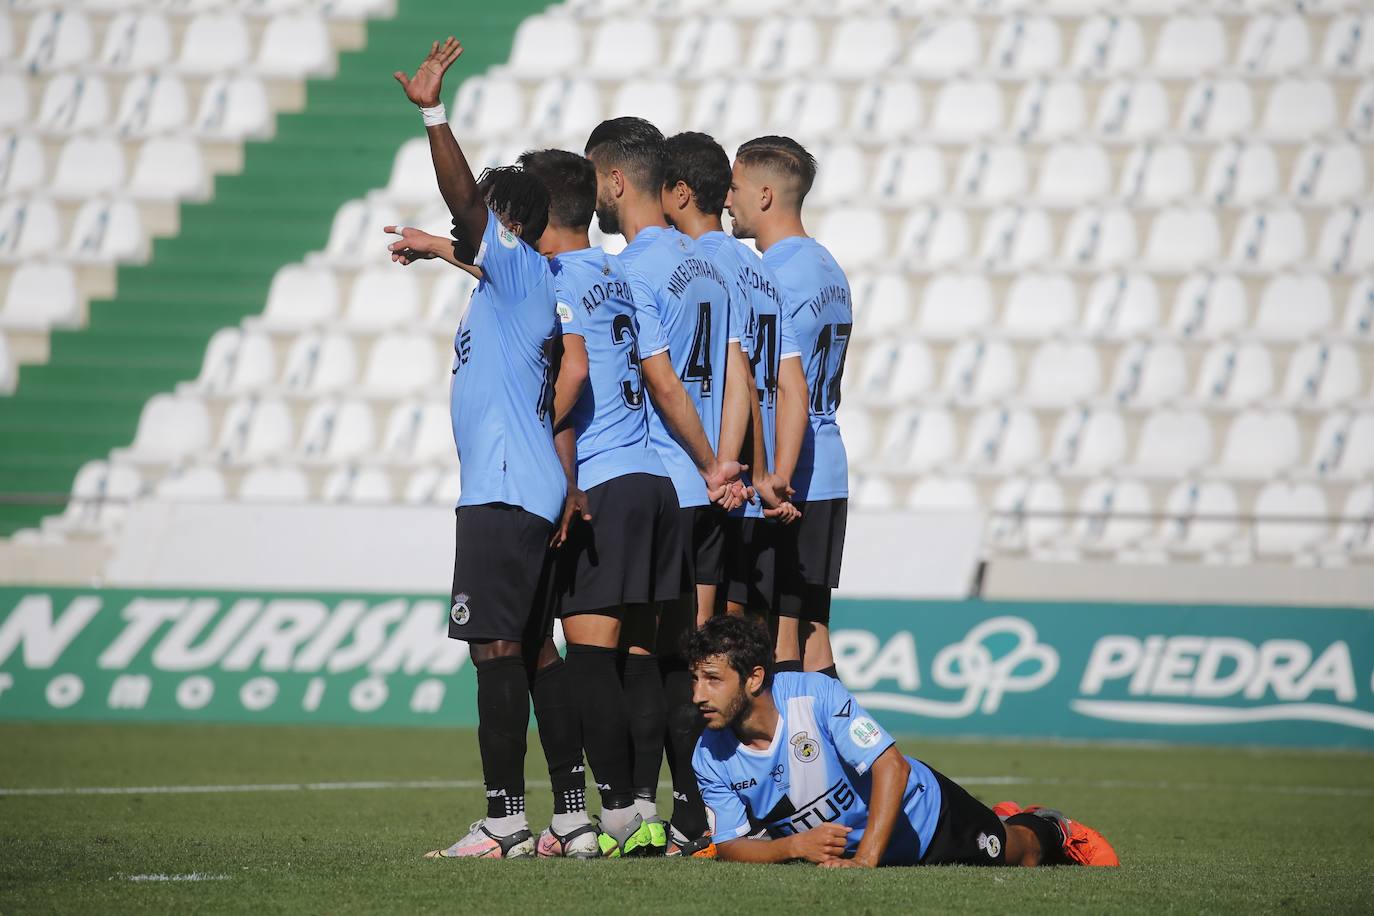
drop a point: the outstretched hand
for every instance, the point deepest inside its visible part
(424, 87)
(414, 245)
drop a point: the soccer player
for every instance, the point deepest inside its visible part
(771, 178)
(794, 758)
(683, 306)
(513, 486)
(627, 554)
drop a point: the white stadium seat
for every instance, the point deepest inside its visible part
(28, 227)
(1260, 444)
(1173, 443)
(1349, 43)
(1026, 513)
(170, 428)
(980, 372)
(1121, 304)
(885, 109)
(353, 484)
(152, 103)
(1359, 309)
(704, 46)
(1269, 239)
(6, 35)
(993, 172)
(1108, 44)
(74, 103)
(545, 45)
(943, 494)
(1328, 173)
(934, 236)
(1241, 173)
(659, 100)
(1113, 515)
(1026, 45)
(1187, 45)
(1099, 238)
(22, 163)
(1322, 374)
(944, 49)
(623, 47)
(1355, 533)
(1149, 374)
(418, 432)
(1016, 238)
(1049, 109)
(918, 440)
(336, 431)
(1208, 306)
(784, 46)
(862, 47)
(136, 41)
(319, 364)
(301, 297)
(255, 428)
(355, 235)
(14, 100)
(486, 106)
(810, 108)
(214, 42)
(1157, 173)
(955, 304)
(1182, 238)
(1003, 440)
(731, 107)
(382, 297)
(1062, 373)
(40, 296)
(401, 363)
(882, 302)
(1073, 174)
(1039, 305)
(233, 108)
(1274, 45)
(169, 168)
(1217, 109)
(1088, 441)
(855, 236)
(908, 174)
(449, 297)
(565, 107)
(9, 372)
(1289, 517)
(894, 371)
(1200, 516)
(965, 110)
(1132, 109)
(107, 230)
(1294, 306)
(101, 494)
(88, 166)
(412, 172)
(266, 483)
(1355, 457)
(235, 362)
(197, 484)
(57, 39)
(1235, 374)
(1298, 109)
(295, 45)
(433, 486)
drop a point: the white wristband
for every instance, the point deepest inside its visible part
(434, 116)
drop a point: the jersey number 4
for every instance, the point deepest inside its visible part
(699, 361)
(766, 351)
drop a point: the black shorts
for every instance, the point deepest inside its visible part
(502, 575)
(631, 552)
(751, 562)
(967, 833)
(809, 553)
(706, 549)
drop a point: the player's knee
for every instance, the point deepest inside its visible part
(1023, 847)
(482, 652)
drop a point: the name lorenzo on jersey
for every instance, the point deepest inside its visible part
(752, 279)
(690, 269)
(827, 296)
(600, 292)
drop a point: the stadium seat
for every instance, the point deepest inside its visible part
(944, 49)
(1289, 517)
(169, 168)
(1359, 310)
(1108, 45)
(1100, 238)
(1132, 109)
(301, 297)
(337, 431)
(1241, 173)
(854, 235)
(1188, 45)
(14, 101)
(1235, 374)
(22, 164)
(942, 494)
(784, 46)
(1200, 516)
(863, 46)
(1328, 173)
(355, 236)
(137, 41)
(169, 429)
(400, 364)
(842, 177)
(353, 484)
(1049, 109)
(233, 108)
(1269, 239)
(1354, 535)
(1039, 305)
(6, 36)
(1173, 443)
(253, 429)
(1026, 512)
(294, 46)
(101, 494)
(215, 42)
(1274, 45)
(1003, 440)
(1322, 374)
(449, 297)
(1112, 515)
(884, 109)
(917, 440)
(546, 45)
(955, 304)
(1298, 109)
(1349, 44)
(1088, 441)
(992, 172)
(267, 483)
(1149, 374)
(152, 104)
(418, 432)
(908, 175)
(623, 47)
(320, 363)
(966, 110)
(1260, 444)
(28, 228)
(1062, 373)
(88, 166)
(73, 103)
(107, 230)
(41, 296)
(381, 298)
(1208, 306)
(1157, 173)
(1073, 173)
(565, 107)
(1217, 109)
(810, 108)
(1182, 238)
(1016, 238)
(882, 302)
(894, 371)
(433, 486)
(486, 106)
(1360, 119)
(1121, 304)
(237, 361)
(732, 107)
(1294, 306)
(933, 236)
(704, 46)
(58, 39)
(1355, 458)
(1025, 45)
(195, 484)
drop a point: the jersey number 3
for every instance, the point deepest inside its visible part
(631, 389)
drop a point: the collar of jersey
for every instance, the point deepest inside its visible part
(772, 745)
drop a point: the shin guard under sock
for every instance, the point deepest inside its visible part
(605, 726)
(560, 733)
(648, 716)
(503, 719)
(684, 728)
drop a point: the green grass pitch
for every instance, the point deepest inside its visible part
(1198, 830)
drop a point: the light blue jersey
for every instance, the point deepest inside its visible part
(816, 771)
(818, 303)
(502, 394)
(683, 304)
(767, 336)
(595, 302)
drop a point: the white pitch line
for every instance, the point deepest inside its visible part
(1334, 791)
(193, 876)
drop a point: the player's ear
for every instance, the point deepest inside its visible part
(765, 198)
(617, 183)
(754, 683)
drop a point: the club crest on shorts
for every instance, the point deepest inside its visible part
(804, 748)
(459, 613)
(990, 844)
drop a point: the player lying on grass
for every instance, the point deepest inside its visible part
(792, 767)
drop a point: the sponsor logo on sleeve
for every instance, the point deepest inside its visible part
(565, 312)
(865, 732)
(507, 238)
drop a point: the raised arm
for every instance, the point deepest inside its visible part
(456, 182)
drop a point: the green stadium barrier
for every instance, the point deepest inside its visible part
(1206, 674)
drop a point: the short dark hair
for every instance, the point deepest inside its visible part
(571, 182)
(699, 162)
(632, 145)
(782, 154)
(745, 644)
(514, 193)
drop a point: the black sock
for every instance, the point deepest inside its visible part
(1047, 832)
(794, 665)
(503, 719)
(643, 685)
(684, 728)
(560, 732)
(605, 726)
(830, 670)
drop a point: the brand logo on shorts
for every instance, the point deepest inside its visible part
(459, 613)
(804, 748)
(990, 844)
(865, 732)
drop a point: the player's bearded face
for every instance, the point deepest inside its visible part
(719, 692)
(607, 211)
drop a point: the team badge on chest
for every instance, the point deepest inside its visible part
(804, 748)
